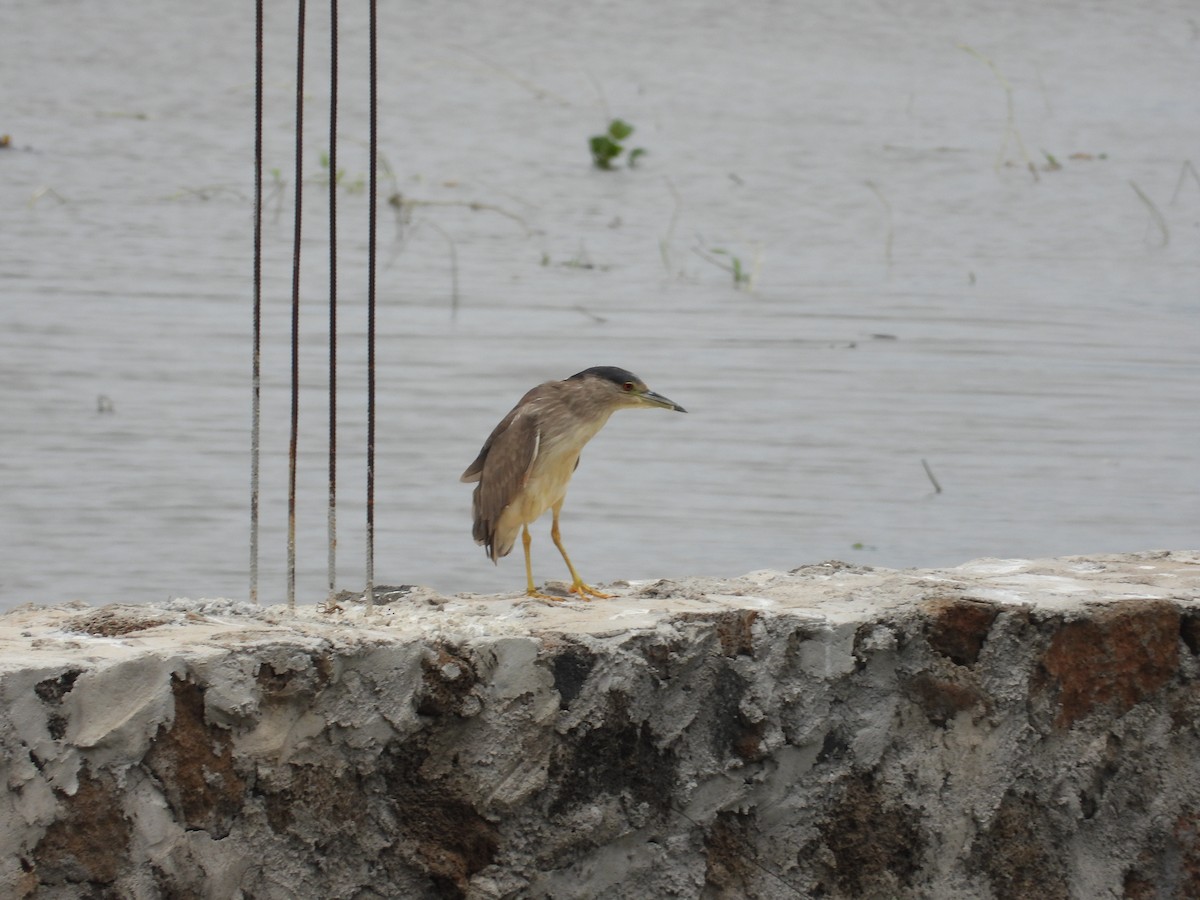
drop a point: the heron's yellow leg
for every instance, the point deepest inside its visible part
(530, 590)
(577, 584)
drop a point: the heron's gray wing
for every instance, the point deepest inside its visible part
(506, 467)
(475, 470)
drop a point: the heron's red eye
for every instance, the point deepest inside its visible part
(627, 386)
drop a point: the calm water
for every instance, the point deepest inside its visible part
(916, 293)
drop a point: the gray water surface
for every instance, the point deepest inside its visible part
(916, 294)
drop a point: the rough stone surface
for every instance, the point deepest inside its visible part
(1004, 729)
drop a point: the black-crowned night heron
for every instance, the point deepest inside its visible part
(528, 460)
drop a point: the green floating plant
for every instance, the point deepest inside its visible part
(608, 147)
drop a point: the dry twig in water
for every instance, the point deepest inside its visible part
(887, 244)
(1011, 124)
(937, 488)
(1183, 171)
(664, 243)
(1154, 213)
(536, 89)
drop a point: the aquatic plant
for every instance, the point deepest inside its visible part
(607, 148)
(354, 185)
(743, 275)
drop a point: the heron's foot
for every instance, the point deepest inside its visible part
(586, 590)
(534, 594)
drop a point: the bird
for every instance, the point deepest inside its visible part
(528, 460)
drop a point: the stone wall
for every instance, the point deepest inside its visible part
(1005, 729)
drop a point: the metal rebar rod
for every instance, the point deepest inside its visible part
(256, 355)
(369, 592)
(295, 423)
(333, 251)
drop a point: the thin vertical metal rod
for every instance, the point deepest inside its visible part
(369, 593)
(256, 364)
(333, 252)
(291, 540)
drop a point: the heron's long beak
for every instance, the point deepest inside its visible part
(654, 399)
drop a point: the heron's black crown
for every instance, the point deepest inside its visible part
(609, 373)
